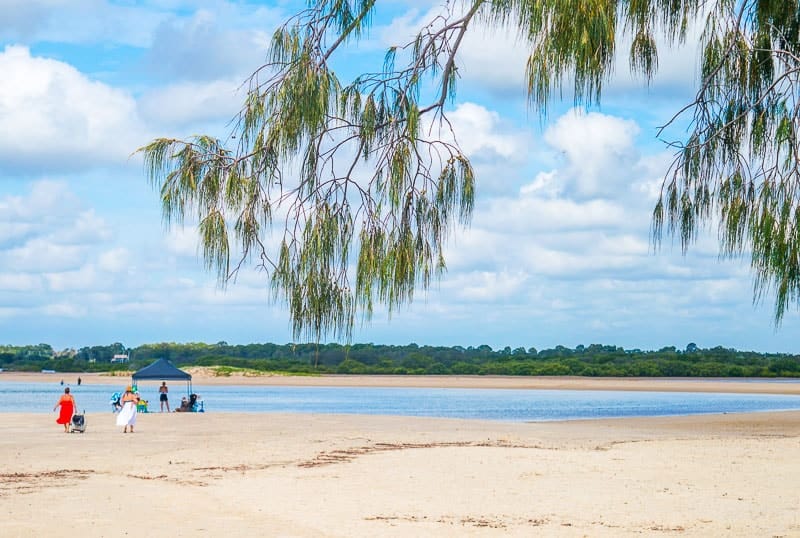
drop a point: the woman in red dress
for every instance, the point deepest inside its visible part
(67, 403)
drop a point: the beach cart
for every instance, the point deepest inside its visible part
(78, 423)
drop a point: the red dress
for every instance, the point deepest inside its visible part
(67, 404)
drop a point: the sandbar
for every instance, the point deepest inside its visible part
(204, 376)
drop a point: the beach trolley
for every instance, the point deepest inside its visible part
(78, 424)
(163, 370)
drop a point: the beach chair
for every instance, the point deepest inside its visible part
(192, 405)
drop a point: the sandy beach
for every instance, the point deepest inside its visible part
(343, 476)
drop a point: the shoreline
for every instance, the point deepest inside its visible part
(202, 377)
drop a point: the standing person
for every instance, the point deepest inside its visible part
(127, 417)
(162, 391)
(67, 403)
(79, 381)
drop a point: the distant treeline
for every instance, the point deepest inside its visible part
(594, 360)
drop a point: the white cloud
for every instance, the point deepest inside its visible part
(494, 146)
(183, 241)
(210, 46)
(40, 254)
(488, 286)
(78, 21)
(21, 217)
(138, 307)
(45, 198)
(545, 183)
(528, 214)
(18, 282)
(23, 18)
(54, 117)
(495, 58)
(58, 237)
(575, 241)
(480, 134)
(71, 266)
(404, 28)
(115, 260)
(85, 278)
(599, 150)
(47, 227)
(191, 103)
(87, 227)
(65, 310)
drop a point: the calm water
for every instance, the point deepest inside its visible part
(506, 404)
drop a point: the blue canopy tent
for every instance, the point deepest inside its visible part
(163, 370)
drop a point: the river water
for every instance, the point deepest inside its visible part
(492, 404)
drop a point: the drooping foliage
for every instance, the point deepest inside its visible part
(740, 162)
(345, 191)
(363, 185)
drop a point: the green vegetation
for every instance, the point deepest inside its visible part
(310, 359)
(365, 180)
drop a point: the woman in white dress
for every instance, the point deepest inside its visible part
(127, 416)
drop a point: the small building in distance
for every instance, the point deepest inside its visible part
(120, 357)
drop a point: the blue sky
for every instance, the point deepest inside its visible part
(558, 251)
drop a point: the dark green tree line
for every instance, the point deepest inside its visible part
(412, 359)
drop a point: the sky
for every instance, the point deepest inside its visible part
(558, 251)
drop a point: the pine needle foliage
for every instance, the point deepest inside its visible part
(361, 176)
(361, 181)
(740, 163)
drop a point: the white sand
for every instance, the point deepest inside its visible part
(343, 476)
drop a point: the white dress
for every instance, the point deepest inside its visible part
(127, 417)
